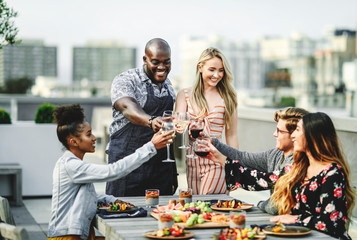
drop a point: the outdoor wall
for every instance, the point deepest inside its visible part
(23, 108)
(255, 130)
(36, 148)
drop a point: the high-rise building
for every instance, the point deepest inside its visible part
(29, 59)
(101, 61)
(248, 67)
(280, 48)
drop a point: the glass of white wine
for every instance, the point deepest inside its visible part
(167, 126)
(182, 120)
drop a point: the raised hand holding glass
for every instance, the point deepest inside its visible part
(182, 121)
(167, 126)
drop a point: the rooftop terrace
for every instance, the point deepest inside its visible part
(255, 131)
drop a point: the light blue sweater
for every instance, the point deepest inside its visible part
(74, 200)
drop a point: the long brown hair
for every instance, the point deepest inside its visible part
(323, 144)
(224, 87)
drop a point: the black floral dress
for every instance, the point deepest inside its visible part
(320, 202)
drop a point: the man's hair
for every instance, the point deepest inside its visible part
(157, 43)
(292, 115)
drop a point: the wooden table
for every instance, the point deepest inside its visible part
(134, 228)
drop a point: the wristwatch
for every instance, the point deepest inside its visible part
(150, 121)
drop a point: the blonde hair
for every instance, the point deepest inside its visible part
(323, 144)
(224, 87)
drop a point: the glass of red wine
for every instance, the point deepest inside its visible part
(200, 148)
(196, 126)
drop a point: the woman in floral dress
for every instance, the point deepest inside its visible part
(316, 191)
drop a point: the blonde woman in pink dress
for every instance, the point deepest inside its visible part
(212, 98)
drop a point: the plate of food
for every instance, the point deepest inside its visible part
(175, 232)
(240, 233)
(195, 215)
(230, 205)
(101, 205)
(283, 230)
(118, 207)
(191, 220)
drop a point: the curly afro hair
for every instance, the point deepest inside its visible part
(68, 119)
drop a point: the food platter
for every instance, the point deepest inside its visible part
(117, 207)
(103, 208)
(244, 206)
(230, 233)
(206, 224)
(258, 237)
(152, 235)
(122, 211)
(289, 231)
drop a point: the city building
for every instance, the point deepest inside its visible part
(101, 61)
(248, 68)
(30, 59)
(349, 73)
(340, 48)
(279, 48)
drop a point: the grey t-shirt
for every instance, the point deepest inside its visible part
(267, 161)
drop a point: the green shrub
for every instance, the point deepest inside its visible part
(287, 102)
(44, 113)
(4, 117)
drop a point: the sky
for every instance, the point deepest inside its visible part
(68, 23)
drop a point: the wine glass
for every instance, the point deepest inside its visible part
(200, 148)
(196, 126)
(182, 120)
(167, 126)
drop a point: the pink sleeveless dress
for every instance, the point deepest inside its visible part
(203, 175)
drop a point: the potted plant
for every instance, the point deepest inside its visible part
(4, 117)
(44, 113)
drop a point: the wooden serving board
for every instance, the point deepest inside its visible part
(257, 237)
(152, 235)
(243, 207)
(207, 224)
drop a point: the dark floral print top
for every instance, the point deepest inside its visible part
(251, 179)
(320, 202)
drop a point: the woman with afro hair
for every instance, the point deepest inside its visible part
(74, 200)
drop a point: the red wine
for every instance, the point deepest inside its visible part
(196, 132)
(202, 154)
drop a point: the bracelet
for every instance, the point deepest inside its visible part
(228, 160)
(150, 121)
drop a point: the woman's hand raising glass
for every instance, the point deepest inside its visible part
(196, 126)
(161, 139)
(182, 120)
(205, 146)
